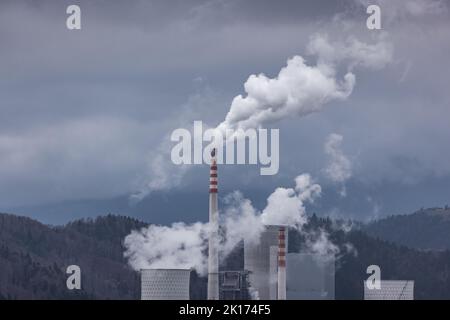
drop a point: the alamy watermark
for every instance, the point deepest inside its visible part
(374, 280)
(74, 280)
(73, 21)
(250, 146)
(373, 22)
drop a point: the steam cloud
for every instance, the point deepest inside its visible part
(163, 177)
(184, 245)
(339, 168)
(178, 246)
(298, 90)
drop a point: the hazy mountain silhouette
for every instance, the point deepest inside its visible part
(427, 229)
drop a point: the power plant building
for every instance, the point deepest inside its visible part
(310, 277)
(261, 260)
(233, 285)
(390, 290)
(165, 284)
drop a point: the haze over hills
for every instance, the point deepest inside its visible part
(33, 258)
(363, 203)
(158, 207)
(426, 229)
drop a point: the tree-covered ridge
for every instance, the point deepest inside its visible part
(34, 257)
(426, 229)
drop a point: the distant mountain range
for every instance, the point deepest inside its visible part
(163, 207)
(426, 229)
(34, 257)
(158, 207)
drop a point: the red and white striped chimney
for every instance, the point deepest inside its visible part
(282, 263)
(213, 173)
(213, 243)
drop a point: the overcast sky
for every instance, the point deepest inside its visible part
(83, 113)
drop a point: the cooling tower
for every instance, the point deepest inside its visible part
(261, 261)
(165, 284)
(391, 290)
(213, 242)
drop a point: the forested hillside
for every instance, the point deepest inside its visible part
(426, 229)
(34, 257)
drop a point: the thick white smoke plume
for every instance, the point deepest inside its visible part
(300, 89)
(184, 246)
(339, 168)
(178, 246)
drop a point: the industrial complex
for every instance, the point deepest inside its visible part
(270, 272)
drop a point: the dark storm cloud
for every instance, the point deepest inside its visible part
(83, 111)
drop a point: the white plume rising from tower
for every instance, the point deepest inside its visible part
(300, 88)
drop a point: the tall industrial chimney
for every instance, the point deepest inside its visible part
(213, 253)
(282, 264)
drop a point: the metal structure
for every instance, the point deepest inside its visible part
(165, 284)
(310, 276)
(233, 285)
(213, 244)
(261, 260)
(391, 290)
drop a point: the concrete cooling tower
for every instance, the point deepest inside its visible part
(390, 290)
(165, 284)
(261, 260)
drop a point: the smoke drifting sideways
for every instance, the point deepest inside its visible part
(185, 245)
(299, 89)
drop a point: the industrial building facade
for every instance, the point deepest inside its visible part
(390, 290)
(310, 276)
(165, 284)
(261, 260)
(233, 285)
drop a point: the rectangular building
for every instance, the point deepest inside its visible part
(390, 290)
(165, 284)
(261, 262)
(310, 276)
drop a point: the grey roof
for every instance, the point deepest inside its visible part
(391, 290)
